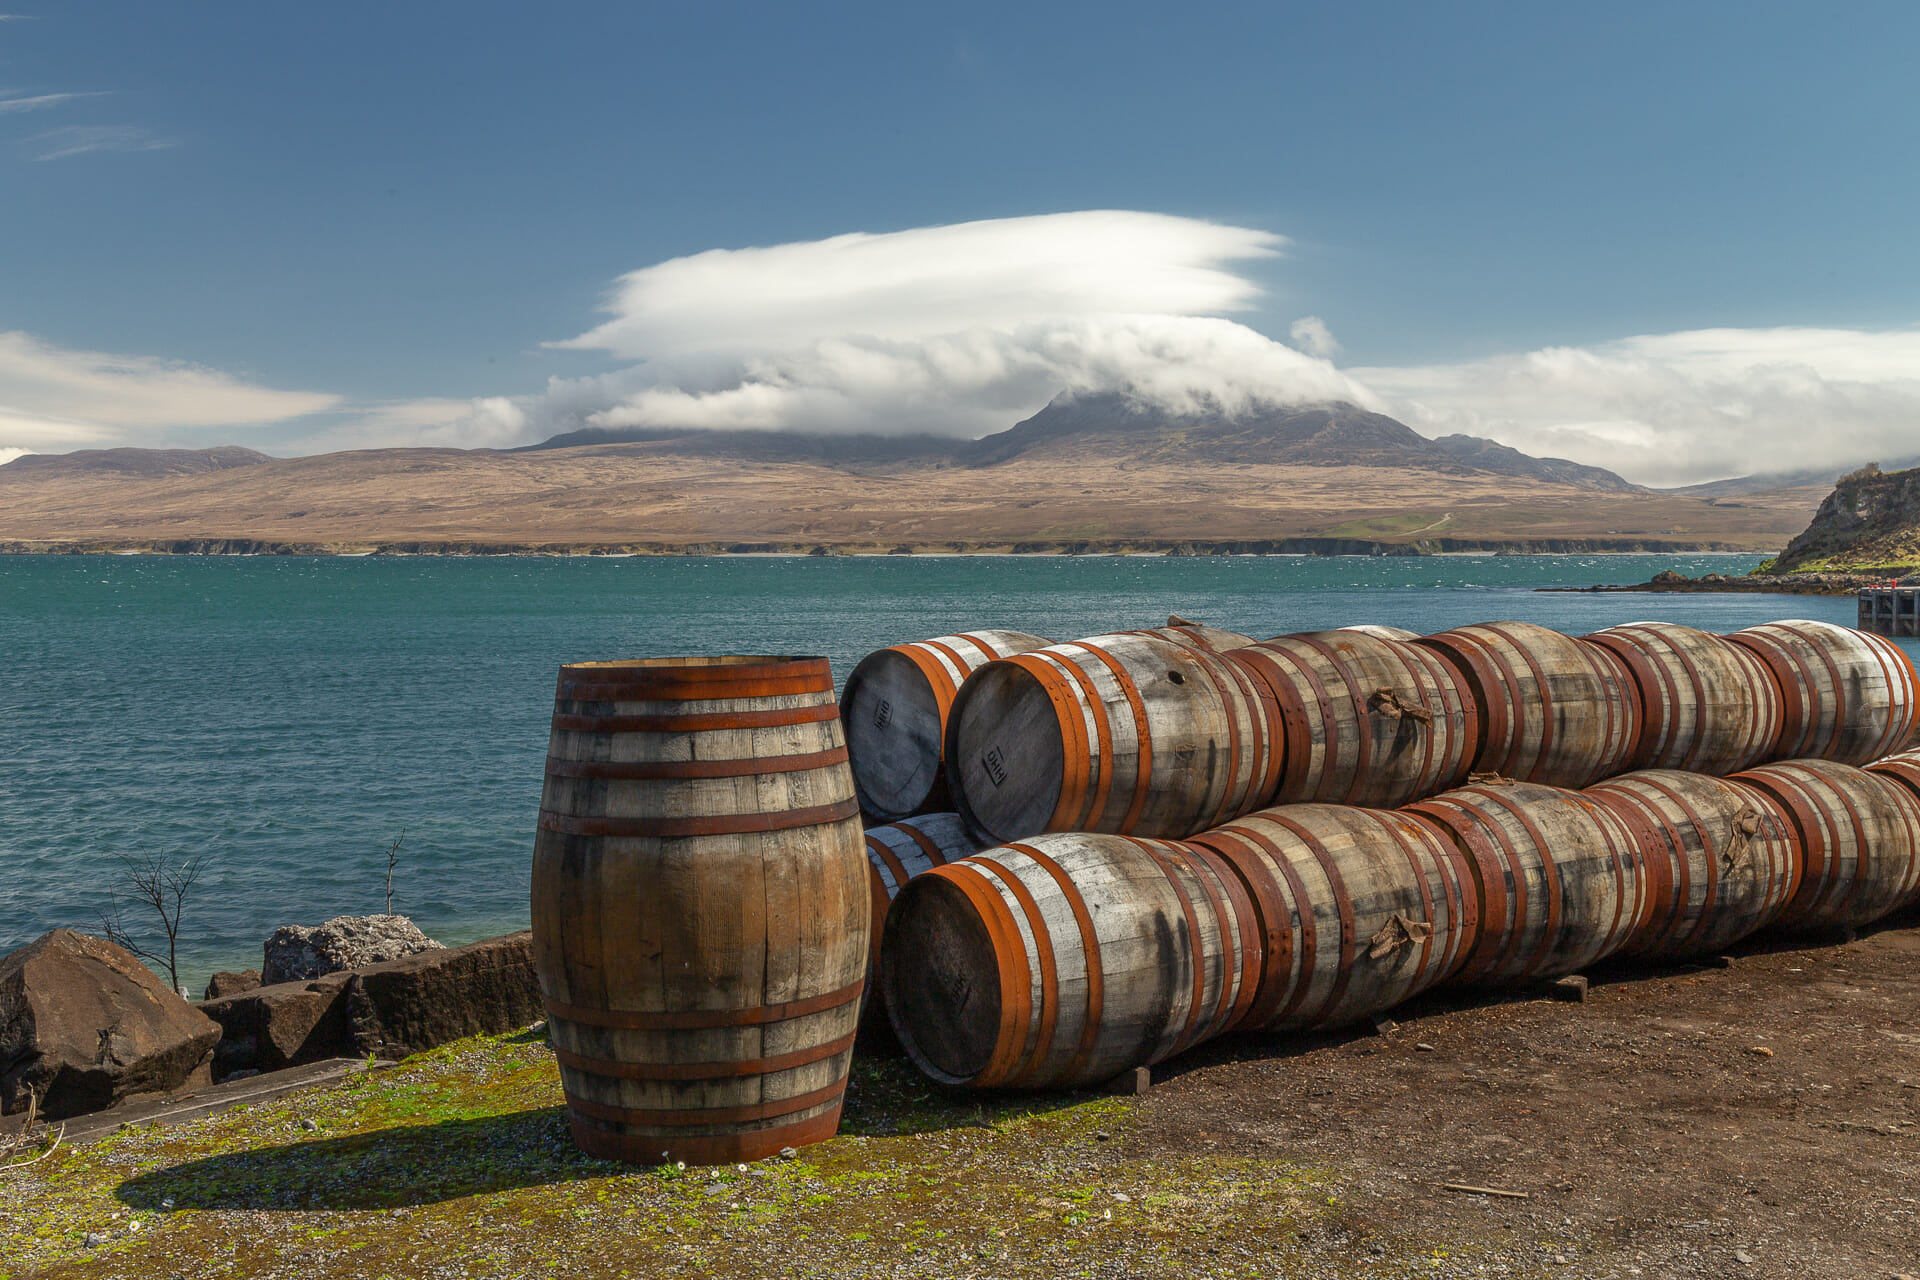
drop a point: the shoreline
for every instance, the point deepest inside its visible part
(1174, 547)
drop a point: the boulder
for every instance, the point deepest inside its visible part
(298, 954)
(408, 1006)
(84, 1025)
(283, 1025)
(231, 984)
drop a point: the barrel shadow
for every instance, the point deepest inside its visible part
(382, 1169)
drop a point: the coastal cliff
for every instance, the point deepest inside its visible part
(1869, 523)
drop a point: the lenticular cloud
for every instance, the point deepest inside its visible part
(958, 329)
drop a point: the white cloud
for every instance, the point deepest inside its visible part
(1682, 407)
(8, 455)
(39, 102)
(1311, 335)
(79, 139)
(52, 398)
(488, 422)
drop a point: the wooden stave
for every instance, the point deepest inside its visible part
(1323, 683)
(1859, 839)
(1297, 866)
(1196, 635)
(896, 852)
(1109, 952)
(1565, 736)
(1665, 659)
(1585, 916)
(928, 673)
(1902, 767)
(1379, 631)
(1811, 661)
(1129, 715)
(1705, 892)
(609, 1030)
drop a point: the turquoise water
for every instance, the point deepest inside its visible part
(288, 717)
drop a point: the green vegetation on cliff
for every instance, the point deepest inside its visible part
(1869, 523)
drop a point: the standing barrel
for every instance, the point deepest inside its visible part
(1552, 709)
(700, 906)
(895, 708)
(1368, 721)
(1358, 909)
(1130, 734)
(1859, 837)
(1066, 960)
(899, 851)
(1847, 695)
(1721, 862)
(1556, 876)
(1706, 705)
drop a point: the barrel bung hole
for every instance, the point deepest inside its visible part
(1176, 677)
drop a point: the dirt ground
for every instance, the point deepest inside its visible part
(1757, 1120)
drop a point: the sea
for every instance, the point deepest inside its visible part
(288, 719)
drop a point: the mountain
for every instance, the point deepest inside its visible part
(1766, 481)
(131, 464)
(1125, 431)
(1871, 520)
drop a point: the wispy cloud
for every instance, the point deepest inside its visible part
(79, 139)
(39, 102)
(55, 398)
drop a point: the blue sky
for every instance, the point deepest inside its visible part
(392, 208)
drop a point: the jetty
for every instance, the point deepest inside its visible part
(1890, 610)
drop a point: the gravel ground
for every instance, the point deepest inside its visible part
(1756, 1120)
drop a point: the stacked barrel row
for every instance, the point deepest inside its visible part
(1064, 958)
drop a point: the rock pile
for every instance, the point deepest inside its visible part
(296, 953)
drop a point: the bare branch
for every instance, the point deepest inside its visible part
(393, 856)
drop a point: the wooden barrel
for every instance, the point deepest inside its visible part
(1552, 709)
(1383, 632)
(1368, 721)
(895, 707)
(1859, 839)
(700, 906)
(1212, 639)
(1721, 859)
(1358, 909)
(1126, 733)
(1706, 705)
(1557, 878)
(899, 851)
(1066, 960)
(1847, 695)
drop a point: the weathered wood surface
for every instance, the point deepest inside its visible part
(1552, 709)
(895, 711)
(1197, 634)
(1846, 695)
(1558, 878)
(1383, 632)
(1065, 960)
(1358, 909)
(899, 851)
(1707, 705)
(700, 906)
(1859, 838)
(1125, 733)
(1721, 858)
(1367, 720)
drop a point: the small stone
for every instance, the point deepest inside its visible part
(1423, 1048)
(1760, 1051)
(1101, 1135)
(167, 1203)
(1384, 1026)
(1122, 1197)
(1742, 1257)
(788, 1153)
(1572, 989)
(310, 1126)
(95, 1239)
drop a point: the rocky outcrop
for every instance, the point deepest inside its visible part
(222, 985)
(296, 954)
(1871, 520)
(391, 1009)
(84, 1026)
(1792, 584)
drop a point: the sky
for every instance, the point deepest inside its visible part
(1675, 240)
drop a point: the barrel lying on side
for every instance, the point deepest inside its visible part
(1903, 768)
(1196, 634)
(1847, 695)
(1358, 909)
(1129, 734)
(1066, 960)
(1722, 863)
(1367, 720)
(895, 707)
(1383, 632)
(899, 851)
(1707, 705)
(1557, 878)
(1552, 709)
(700, 906)
(1859, 837)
